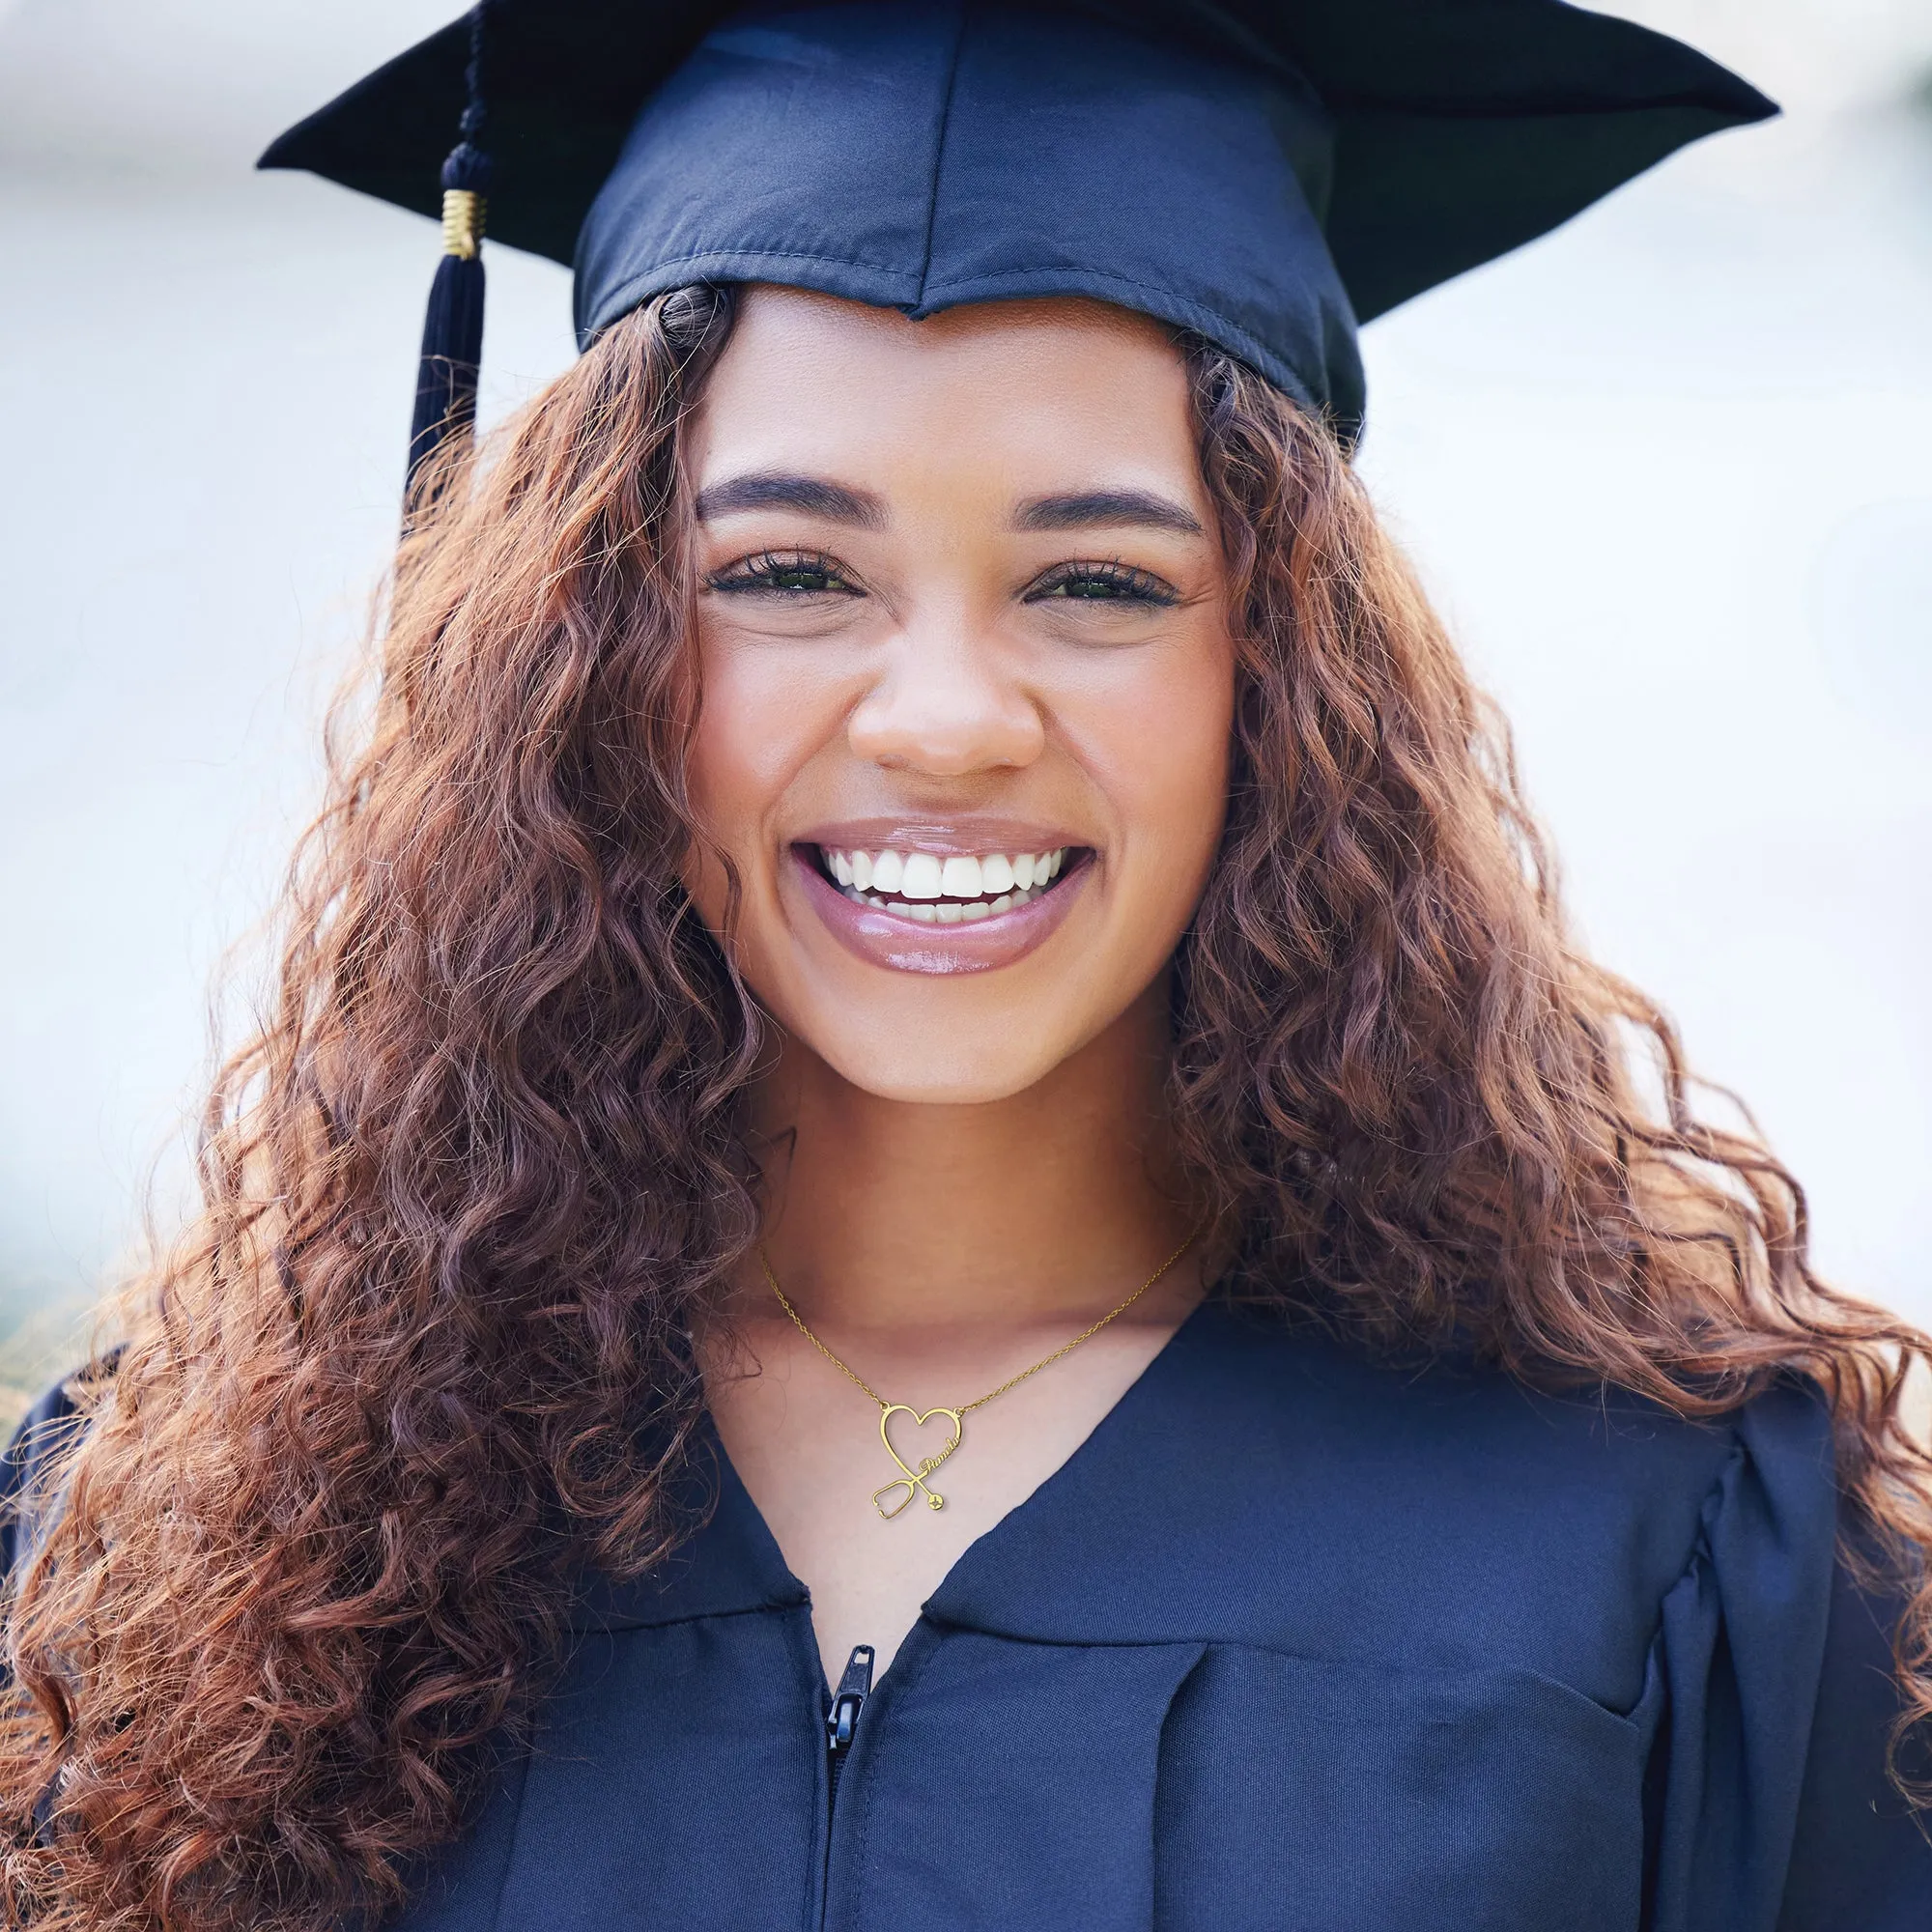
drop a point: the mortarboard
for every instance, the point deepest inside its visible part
(1269, 174)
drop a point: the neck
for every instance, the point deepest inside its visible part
(1049, 1207)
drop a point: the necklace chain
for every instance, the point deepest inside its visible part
(967, 1407)
(912, 1480)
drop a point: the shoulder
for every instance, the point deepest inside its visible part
(1469, 1443)
(1265, 1484)
(1564, 1483)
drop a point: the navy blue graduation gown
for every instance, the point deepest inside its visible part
(1293, 1643)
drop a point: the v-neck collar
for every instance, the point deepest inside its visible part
(731, 1563)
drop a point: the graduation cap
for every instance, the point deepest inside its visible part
(1269, 174)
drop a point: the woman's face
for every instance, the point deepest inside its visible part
(968, 681)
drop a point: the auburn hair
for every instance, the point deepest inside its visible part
(424, 1357)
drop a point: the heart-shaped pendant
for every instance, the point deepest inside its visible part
(914, 1479)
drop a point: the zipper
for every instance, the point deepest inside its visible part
(841, 1721)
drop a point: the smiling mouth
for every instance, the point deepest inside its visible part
(946, 889)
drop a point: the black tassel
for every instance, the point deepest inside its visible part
(452, 343)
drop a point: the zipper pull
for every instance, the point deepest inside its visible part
(849, 1699)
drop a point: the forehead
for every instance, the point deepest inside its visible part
(1065, 386)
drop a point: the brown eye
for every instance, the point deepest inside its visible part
(785, 575)
(1102, 583)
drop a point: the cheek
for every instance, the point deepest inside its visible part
(757, 725)
(1161, 753)
(739, 763)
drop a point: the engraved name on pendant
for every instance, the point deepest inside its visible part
(913, 1481)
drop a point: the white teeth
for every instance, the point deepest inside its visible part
(950, 888)
(922, 877)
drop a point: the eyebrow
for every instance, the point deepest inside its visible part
(780, 489)
(1096, 509)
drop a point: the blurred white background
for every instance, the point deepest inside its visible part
(1666, 471)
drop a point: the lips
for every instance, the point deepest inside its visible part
(942, 912)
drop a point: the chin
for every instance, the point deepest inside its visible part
(969, 1073)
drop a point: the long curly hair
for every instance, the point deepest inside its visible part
(424, 1357)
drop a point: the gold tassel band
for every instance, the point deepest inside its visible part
(462, 221)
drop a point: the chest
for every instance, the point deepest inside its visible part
(989, 1783)
(1280, 1646)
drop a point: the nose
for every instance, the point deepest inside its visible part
(946, 705)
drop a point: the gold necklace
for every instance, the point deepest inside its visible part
(914, 1480)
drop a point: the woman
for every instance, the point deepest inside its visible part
(936, 1227)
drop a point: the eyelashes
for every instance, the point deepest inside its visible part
(788, 575)
(784, 574)
(1109, 582)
